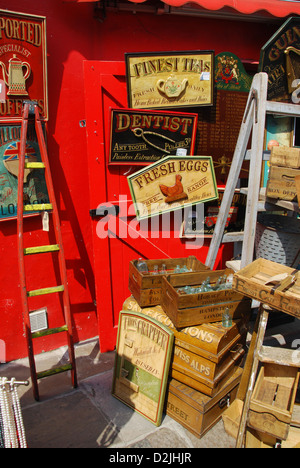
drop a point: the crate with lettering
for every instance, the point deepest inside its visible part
(284, 168)
(197, 412)
(145, 278)
(205, 355)
(201, 297)
(271, 283)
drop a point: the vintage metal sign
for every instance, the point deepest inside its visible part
(170, 79)
(144, 137)
(280, 59)
(171, 184)
(35, 189)
(144, 350)
(23, 63)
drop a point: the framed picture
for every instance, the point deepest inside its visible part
(35, 189)
(143, 356)
(170, 79)
(144, 137)
(23, 64)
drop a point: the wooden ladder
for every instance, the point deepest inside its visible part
(30, 109)
(254, 121)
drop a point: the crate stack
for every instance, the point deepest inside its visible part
(205, 370)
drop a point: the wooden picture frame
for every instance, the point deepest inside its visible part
(170, 79)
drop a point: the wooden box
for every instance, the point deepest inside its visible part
(285, 156)
(197, 412)
(270, 283)
(146, 287)
(281, 183)
(186, 310)
(202, 374)
(272, 402)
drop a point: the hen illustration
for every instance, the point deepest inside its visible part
(175, 192)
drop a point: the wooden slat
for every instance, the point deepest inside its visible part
(49, 331)
(34, 165)
(41, 249)
(55, 371)
(43, 291)
(38, 207)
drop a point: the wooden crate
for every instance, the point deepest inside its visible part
(281, 183)
(186, 310)
(272, 402)
(146, 287)
(270, 283)
(197, 412)
(285, 156)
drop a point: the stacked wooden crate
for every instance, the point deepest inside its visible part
(283, 173)
(205, 370)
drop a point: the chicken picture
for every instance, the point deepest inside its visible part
(174, 192)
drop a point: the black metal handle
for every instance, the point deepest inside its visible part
(103, 211)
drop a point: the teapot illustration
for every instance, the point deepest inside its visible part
(15, 78)
(172, 87)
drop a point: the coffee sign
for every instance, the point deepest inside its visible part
(173, 183)
(170, 79)
(23, 66)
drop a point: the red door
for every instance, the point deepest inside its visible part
(117, 237)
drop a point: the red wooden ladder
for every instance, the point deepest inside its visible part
(30, 110)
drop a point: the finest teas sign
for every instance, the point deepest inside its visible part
(173, 183)
(170, 79)
(144, 137)
(23, 66)
(144, 349)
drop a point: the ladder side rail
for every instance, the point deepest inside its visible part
(257, 144)
(26, 318)
(233, 176)
(56, 222)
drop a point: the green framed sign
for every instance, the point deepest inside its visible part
(143, 356)
(173, 183)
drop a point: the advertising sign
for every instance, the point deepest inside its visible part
(170, 79)
(173, 183)
(144, 137)
(144, 350)
(23, 63)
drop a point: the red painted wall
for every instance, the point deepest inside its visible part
(74, 35)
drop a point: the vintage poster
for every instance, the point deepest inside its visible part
(173, 183)
(144, 350)
(35, 189)
(144, 137)
(23, 63)
(170, 79)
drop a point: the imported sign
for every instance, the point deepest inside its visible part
(144, 137)
(23, 63)
(171, 184)
(170, 79)
(144, 350)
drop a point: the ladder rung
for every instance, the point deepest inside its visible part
(41, 292)
(49, 331)
(34, 165)
(38, 207)
(57, 370)
(41, 249)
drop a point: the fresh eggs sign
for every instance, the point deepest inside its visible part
(23, 69)
(174, 182)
